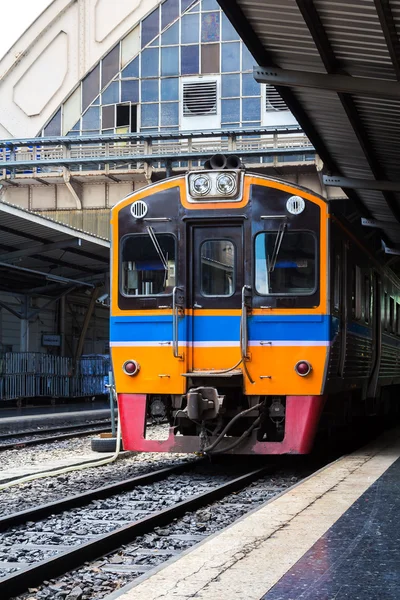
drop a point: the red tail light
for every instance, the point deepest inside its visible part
(303, 368)
(131, 367)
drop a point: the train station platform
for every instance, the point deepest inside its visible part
(27, 418)
(333, 535)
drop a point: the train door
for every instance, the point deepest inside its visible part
(376, 335)
(217, 279)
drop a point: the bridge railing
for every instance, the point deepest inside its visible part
(158, 149)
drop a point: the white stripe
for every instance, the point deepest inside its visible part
(223, 344)
(268, 343)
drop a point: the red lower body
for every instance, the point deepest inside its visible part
(302, 418)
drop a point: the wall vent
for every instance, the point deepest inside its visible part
(199, 98)
(273, 100)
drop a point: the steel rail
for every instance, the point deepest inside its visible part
(62, 429)
(54, 508)
(53, 438)
(18, 583)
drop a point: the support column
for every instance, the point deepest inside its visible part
(62, 324)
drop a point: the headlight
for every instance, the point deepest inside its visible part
(131, 367)
(202, 185)
(226, 184)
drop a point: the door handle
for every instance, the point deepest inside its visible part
(195, 305)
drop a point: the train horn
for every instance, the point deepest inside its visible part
(207, 165)
(233, 162)
(218, 161)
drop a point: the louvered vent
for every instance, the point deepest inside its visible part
(199, 98)
(273, 101)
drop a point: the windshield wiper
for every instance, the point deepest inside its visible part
(278, 242)
(157, 246)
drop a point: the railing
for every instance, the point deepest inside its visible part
(34, 375)
(185, 149)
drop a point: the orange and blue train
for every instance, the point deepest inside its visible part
(248, 313)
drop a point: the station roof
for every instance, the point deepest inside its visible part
(40, 256)
(336, 64)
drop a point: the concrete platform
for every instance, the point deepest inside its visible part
(333, 536)
(50, 417)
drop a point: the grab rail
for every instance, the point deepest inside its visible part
(175, 323)
(243, 323)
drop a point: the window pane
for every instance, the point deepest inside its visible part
(292, 270)
(150, 27)
(149, 115)
(170, 89)
(210, 58)
(251, 109)
(171, 36)
(110, 66)
(90, 87)
(210, 5)
(130, 91)
(108, 117)
(250, 87)
(170, 114)
(210, 27)
(111, 94)
(149, 62)
(230, 110)
(149, 90)
(190, 29)
(145, 270)
(231, 56)
(248, 62)
(169, 12)
(189, 60)
(170, 61)
(91, 118)
(230, 85)
(54, 126)
(186, 3)
(217, 268)
(229, 33)
(131, 70)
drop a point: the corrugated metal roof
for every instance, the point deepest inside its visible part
(357, 136)
(37, 252)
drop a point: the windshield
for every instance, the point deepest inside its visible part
(148, 264)
(291, 270)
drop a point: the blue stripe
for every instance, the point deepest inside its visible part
(220, 328)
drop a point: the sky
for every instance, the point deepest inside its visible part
(16, 16)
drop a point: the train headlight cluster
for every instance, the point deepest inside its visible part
(201, 185)
(226, 183)
(131, 367)
(215, 186)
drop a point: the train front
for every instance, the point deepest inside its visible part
(219, 313)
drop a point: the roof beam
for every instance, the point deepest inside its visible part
(389, 31)
(48, 276)
(344, 84)
(40, 248)
(333, 67)
(361, 184)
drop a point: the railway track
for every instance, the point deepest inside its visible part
(104, 519)
(9, 441)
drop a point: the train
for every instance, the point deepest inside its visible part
(248, 313)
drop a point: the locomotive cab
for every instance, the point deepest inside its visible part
(219, 311)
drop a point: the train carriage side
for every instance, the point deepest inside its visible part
(220, 307)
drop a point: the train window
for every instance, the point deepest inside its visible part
(285, 264)
(148, 264)
(336, 284)
(397, 318)
(217, 268)
(356, 311)
(385, 312)
(392, 325)
(367, 299)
